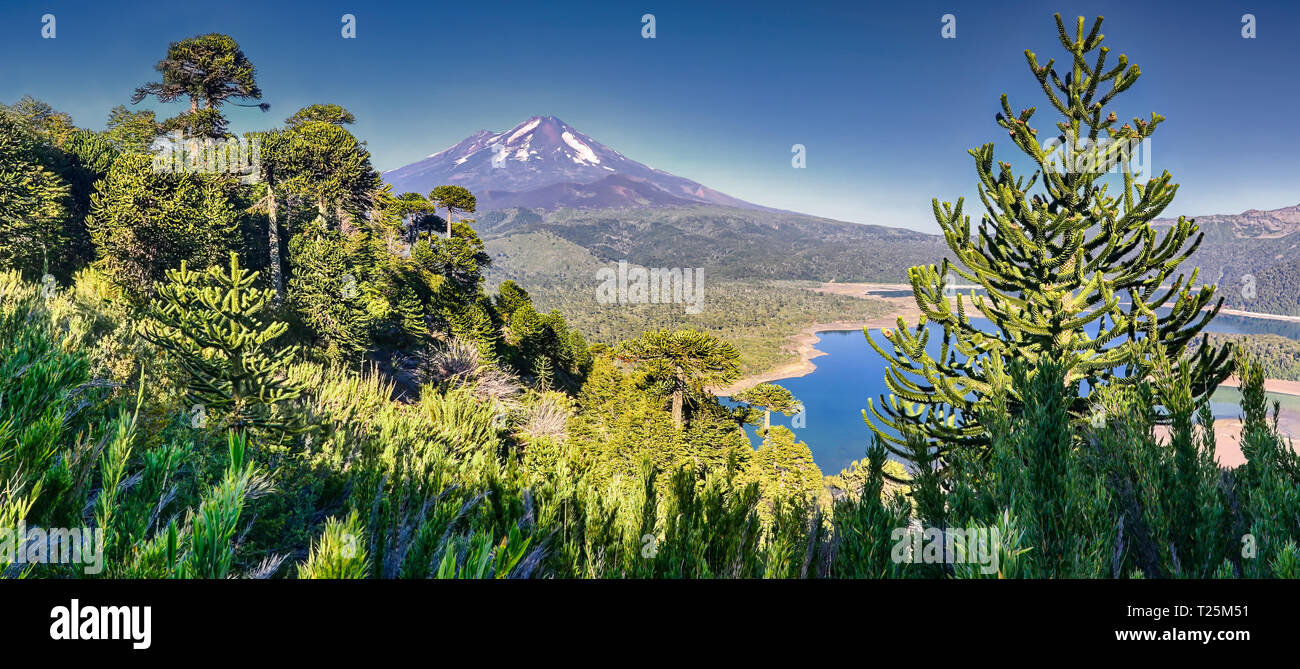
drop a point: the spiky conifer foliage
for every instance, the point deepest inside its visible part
(340, 552)
(769, 397)
(510, 297)
(863, 524)
(440, 489)
(460, 471)
(784, 469)
(1267, 487)
(474, 323)
(211, 70)
(461, 258)
(211, 323)
(34, 202)
(1070, 271)
(328, 166)
(330, 290)
(144, 222)
(211, 537)
(682, 361)
(454, 199)
(1046, 480)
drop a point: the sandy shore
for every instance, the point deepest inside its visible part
(1227, 431)
(1271, 385)
(804, 343)
(1227, 437)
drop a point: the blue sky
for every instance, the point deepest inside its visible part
(886, 107)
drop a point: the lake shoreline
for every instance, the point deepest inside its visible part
(1228, 451)
(804, 342)
(1277, 386)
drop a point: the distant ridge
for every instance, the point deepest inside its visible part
(1252, 223)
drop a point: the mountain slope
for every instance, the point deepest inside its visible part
(543, 163)
(1254, 256)
(1249, 224)
(725, 242)
(552, 200)
(615, 190)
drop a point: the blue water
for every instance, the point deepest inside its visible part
(835, 394)
(833, 397)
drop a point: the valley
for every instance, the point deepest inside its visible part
(559, 210)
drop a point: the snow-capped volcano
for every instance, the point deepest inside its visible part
(544, 162)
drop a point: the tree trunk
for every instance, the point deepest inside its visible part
(345, 220)
(448, 222)
(767, 422)
(273, 243)
(679, 392)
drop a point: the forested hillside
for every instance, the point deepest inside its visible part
(1253, 257)
(732, 243)
(287, 341)
(757, 315)
(1278, 356)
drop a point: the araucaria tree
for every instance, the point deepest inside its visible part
(454, 199)
(683, 361)
(1071, 271)
(211, 70)
(325, 164)
(33, 202)
(144, 222)
(210, 322)
(769, 397)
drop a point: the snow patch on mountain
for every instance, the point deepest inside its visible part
(527, 128)
(584, 151)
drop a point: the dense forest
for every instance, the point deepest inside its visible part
(292, 372)
(733, 243)
(1278, 356)
(1256, 267)
(755, 316)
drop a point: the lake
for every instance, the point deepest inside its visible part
(835, 394)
